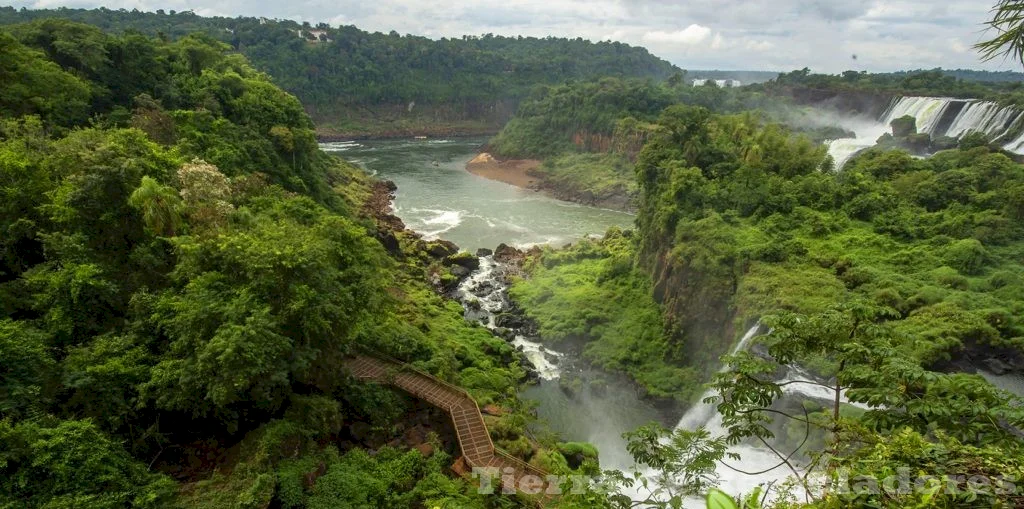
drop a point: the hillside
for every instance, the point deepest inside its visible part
(182, 272)
(355, 82)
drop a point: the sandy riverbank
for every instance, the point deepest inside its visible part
(515, 172)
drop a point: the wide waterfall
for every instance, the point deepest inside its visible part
(937, 116)
(943, 116)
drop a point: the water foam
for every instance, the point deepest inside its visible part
(438, 222)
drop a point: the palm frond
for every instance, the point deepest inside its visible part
(1008, 24)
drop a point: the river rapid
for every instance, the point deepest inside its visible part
(438, 198)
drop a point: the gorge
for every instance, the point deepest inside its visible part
(206, 305)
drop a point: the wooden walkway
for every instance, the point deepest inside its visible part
(473, 437)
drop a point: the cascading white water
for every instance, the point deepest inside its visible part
(762, 461)
(753, 459)
(982, 116)
(987, 117)
(487, 289)
(701, 413)
(927, 110)
(867, 133)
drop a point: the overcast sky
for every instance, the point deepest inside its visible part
(773, 35)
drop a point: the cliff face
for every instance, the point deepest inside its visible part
(697, 308)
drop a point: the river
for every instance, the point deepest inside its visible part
(440, 199)
(437, 197)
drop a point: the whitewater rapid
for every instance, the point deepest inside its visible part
(484, 295)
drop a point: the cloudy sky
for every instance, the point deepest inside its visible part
(825, 35)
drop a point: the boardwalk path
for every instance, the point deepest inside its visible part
(475, 441)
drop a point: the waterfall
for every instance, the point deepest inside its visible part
(701, 413)
(987, 117)
(927, 110)
(487, 290)
(753, 459)
(937, 116)
(1016, 146)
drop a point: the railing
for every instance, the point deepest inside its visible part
(517, 462)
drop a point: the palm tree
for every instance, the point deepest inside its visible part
(1008, 23)
(160, 206)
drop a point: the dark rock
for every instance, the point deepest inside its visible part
(459, 271)
(944, 143)
(918, 143)
(441, 248)
(506, 334)
(482, 252)
(390, 185)
(996, 366)
(575, 461)
(509, 321)
(505, 253)
(530, 375)
(389, 241)
(904, 126)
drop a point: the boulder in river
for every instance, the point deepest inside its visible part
(466, 260)
(441, 248)
(504, 333)
(506, 254)
(459, 271)
(510, 321)
(996, 366)
(482, 252)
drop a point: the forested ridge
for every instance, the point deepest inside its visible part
(589, 133)
(891, 278)
(181, 273)
(359, 82)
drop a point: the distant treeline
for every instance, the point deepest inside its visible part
(343, 69)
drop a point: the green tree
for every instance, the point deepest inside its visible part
(160, 205)
(73, 464)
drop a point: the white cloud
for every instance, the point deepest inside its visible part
(690, 36)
